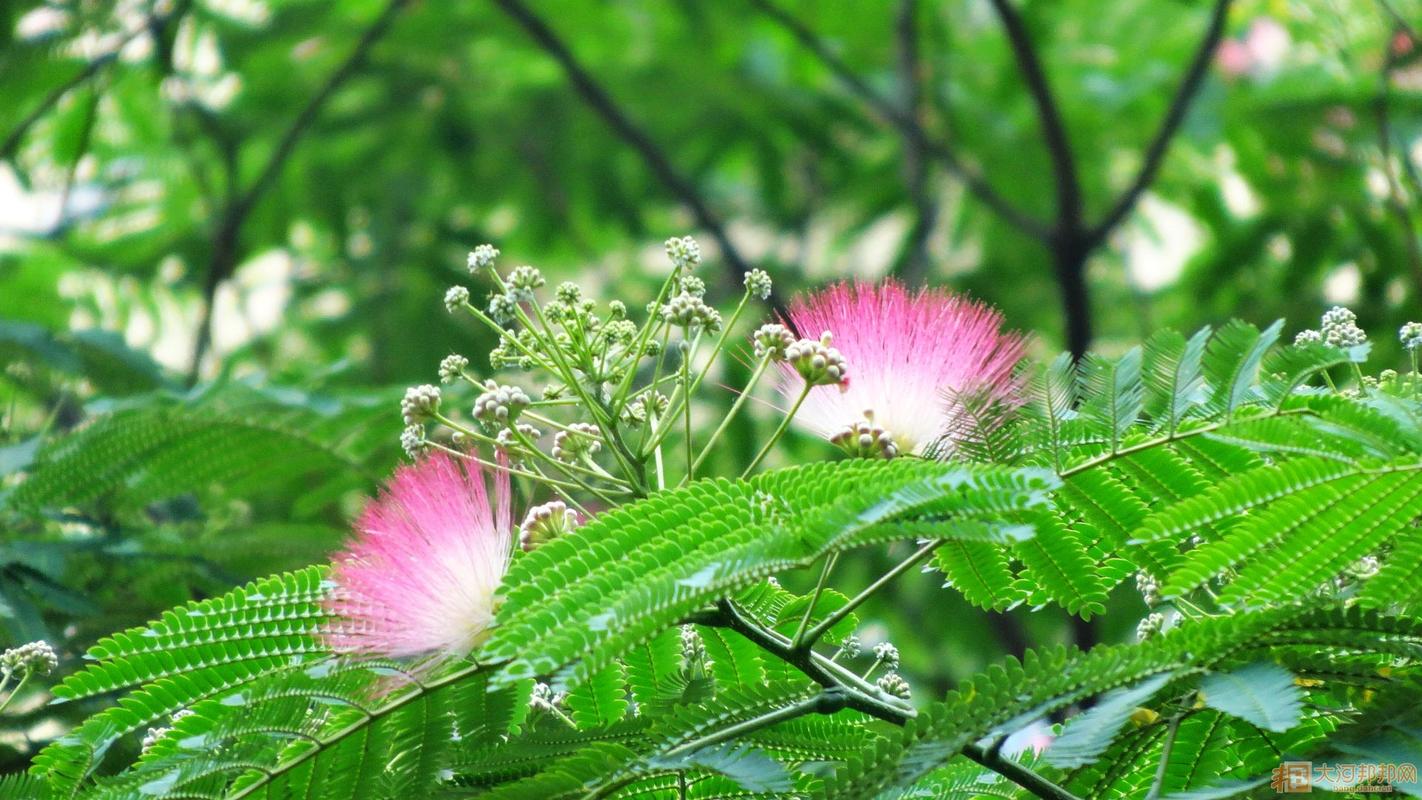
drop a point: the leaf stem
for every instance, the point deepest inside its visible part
(795, 641)
(779, 431)
(735, 408)
(845, 610)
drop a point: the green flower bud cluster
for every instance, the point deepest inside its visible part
(420, 404)
(579, 440)
(817, 362)
(1410, 335)
(36, 658)
(452, 367)
(545, 523)
(684, 252)
(864, 439)
(1340, 328)
(500, 405)
(690, 311)
(772, 340)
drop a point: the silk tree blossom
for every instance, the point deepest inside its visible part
(907, 354)
(428, 555)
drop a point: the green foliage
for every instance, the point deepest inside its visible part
(675, 667)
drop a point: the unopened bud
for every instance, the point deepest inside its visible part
(482, 257)
(817, 362)
(452, 367)
(545, 523)
(455, 298)
(420, 404)
(684, 252)
(580, 439)
(500, 405)
(864, 439)
(758, 283)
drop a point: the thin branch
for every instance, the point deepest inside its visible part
(223, 258)
(833, 618)
(907, 125)
(657, 161)
(865, 699)
(12, 141)
(913, 262)
(1068, 186)
(1174, 116)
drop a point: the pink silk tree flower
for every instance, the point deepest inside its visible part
(907, 352)
(419, 577)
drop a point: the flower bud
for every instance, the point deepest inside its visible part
(523, 280)
(503, 308)
(758, 283)
(817, 362)
(580, 439)
(864, 439)
(452, 367)
(690, 311)
(482, 257)
(500, 405)
(887, 654)
(412, 440)
(455, 298)
(694, 286)
(1152, 625)
(545, 523)
(894, 685)
(35, 658)
(684, 252)
(1149, 588)
(569, 293)
(1308, 337)
(420, 404)
(1411, 336)
(1340, 328)
(693, 649)
(772, 340)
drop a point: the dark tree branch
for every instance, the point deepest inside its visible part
(1068, 186)
(872, 702)
(1174, 116)
(657, 161)
(92, 68)
(913, 263)
(908, 127)
(224, 253)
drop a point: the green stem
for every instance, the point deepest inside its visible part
(1157, 442)
(619, 397)
(797, 709)
(19, 687)
(680, 396)
(868, 699)
(779, 431)
(510, 470)
(735, 408)
(1017, 773)
(795, 641)
(686, 416)
(848, 608)
(1159, 781)
(721, 341)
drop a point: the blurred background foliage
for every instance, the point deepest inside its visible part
(226, 227)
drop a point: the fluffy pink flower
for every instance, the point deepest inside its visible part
(907, 353)
(420, 575)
